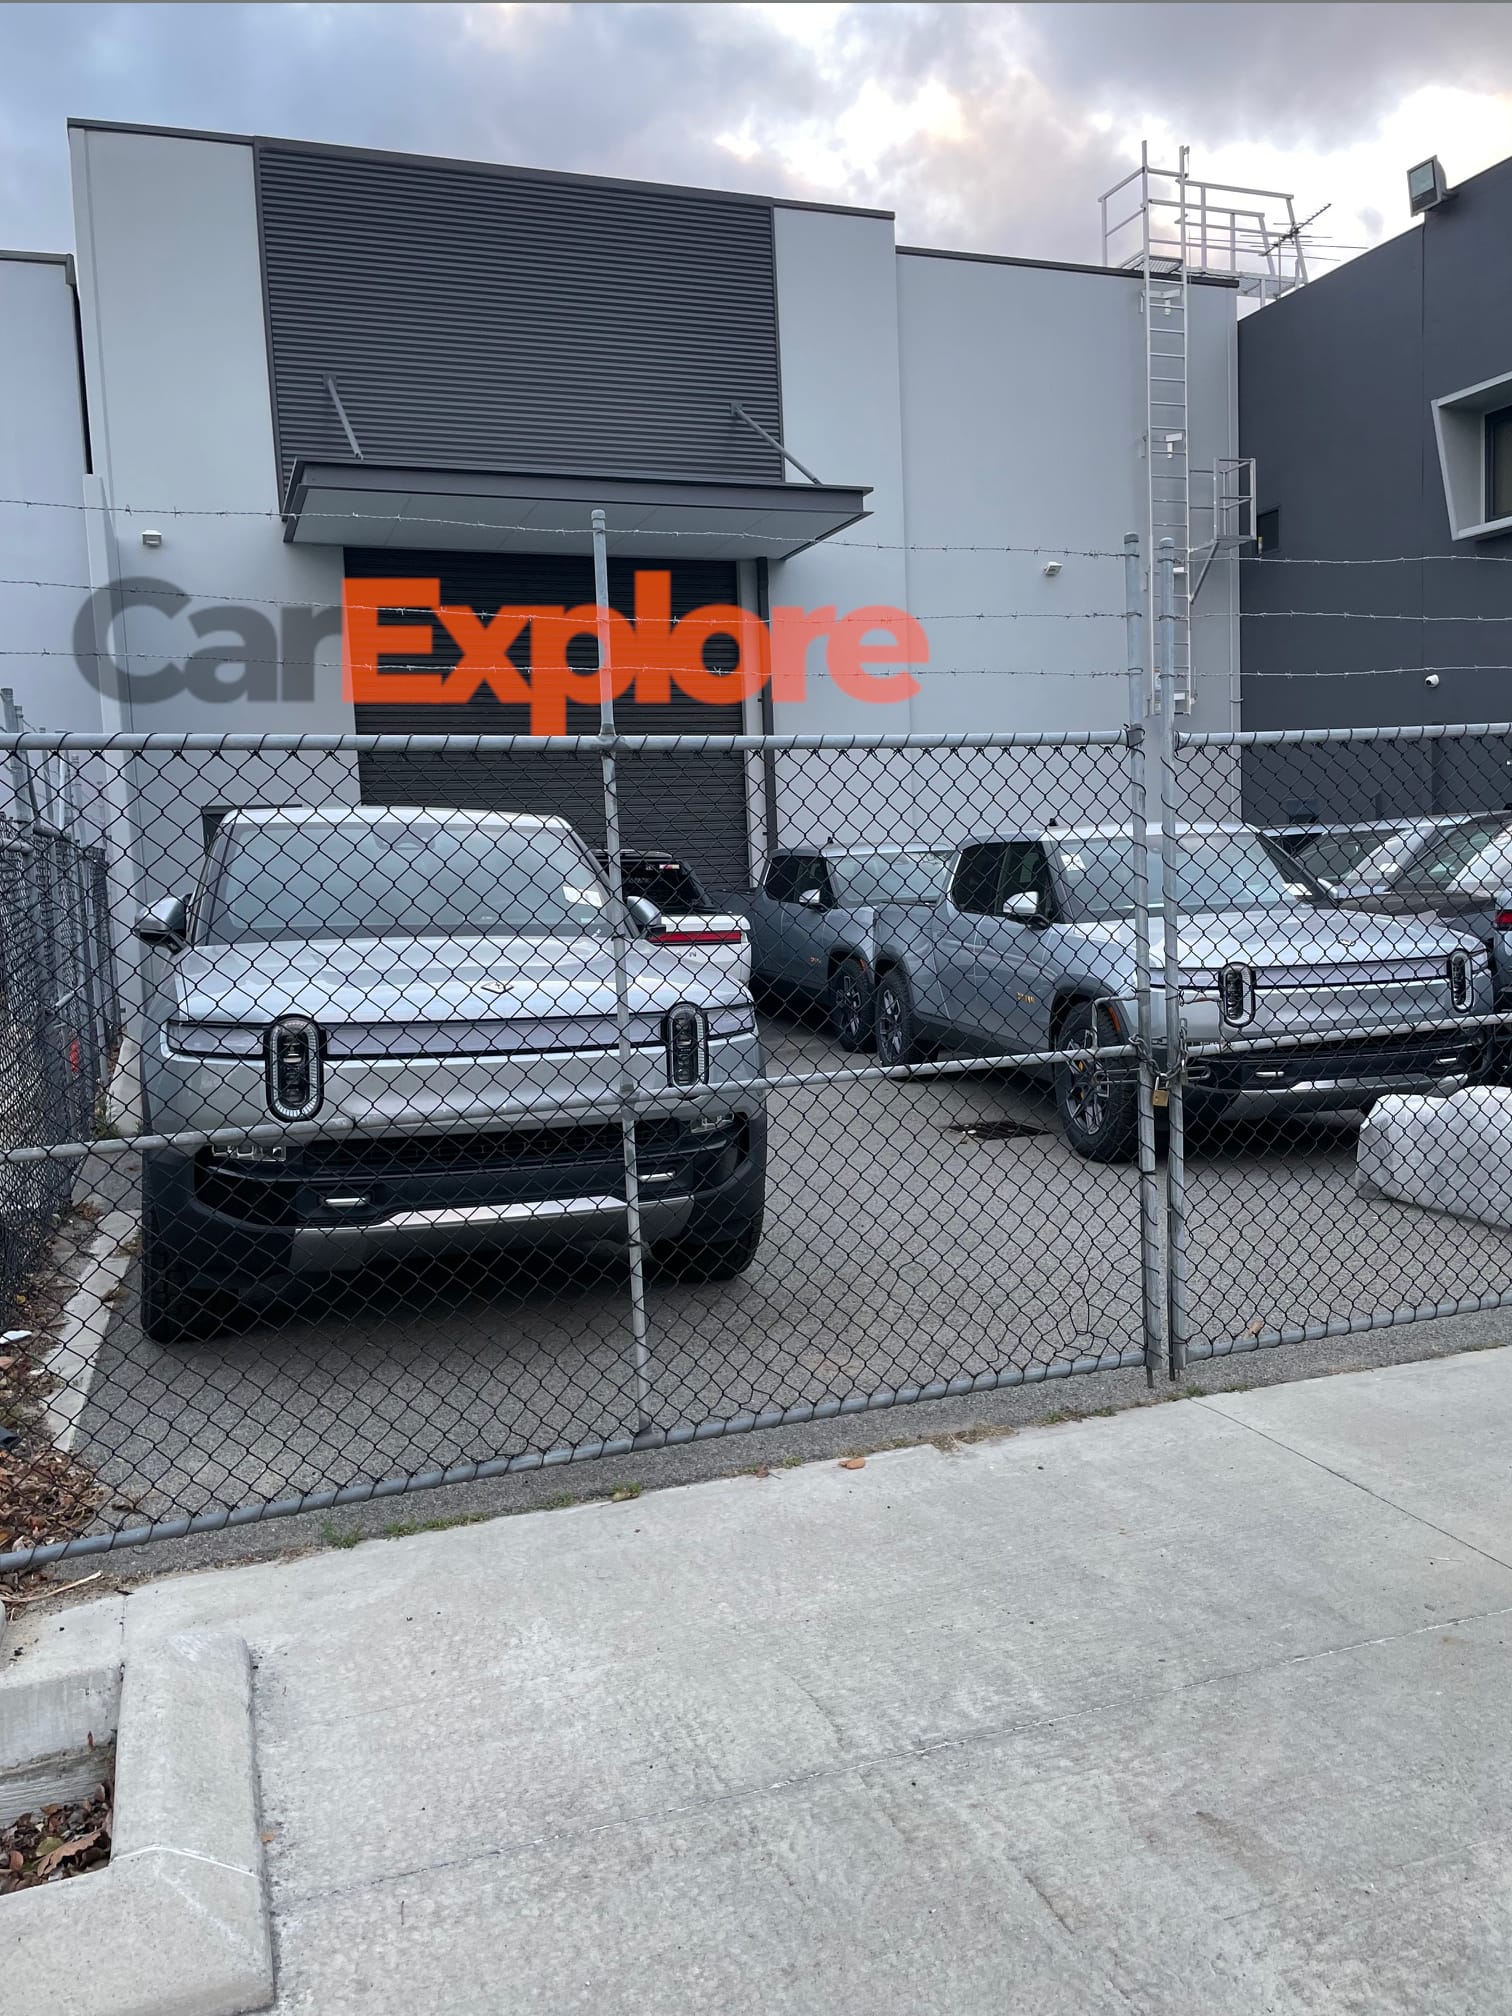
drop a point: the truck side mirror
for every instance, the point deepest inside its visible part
(644, 915)
(811, 899)
(164, 926)
(1022, 907)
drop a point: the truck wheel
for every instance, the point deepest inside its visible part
(850, 1008)
(711, 1259)
(1098, 1103)
(898, 1038)
(169, 1312)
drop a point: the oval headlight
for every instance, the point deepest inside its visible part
(293, 1069)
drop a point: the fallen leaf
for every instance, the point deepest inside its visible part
(269, 1834)
(852, 1462)
(763, 1470)
(1254, 1326)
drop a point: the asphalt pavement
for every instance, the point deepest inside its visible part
(917, 1229)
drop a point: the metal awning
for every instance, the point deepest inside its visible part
(505, 511)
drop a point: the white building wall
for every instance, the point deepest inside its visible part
(996, 408)
(176, 368)
(42, 459)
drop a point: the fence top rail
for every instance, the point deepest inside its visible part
(1252, 738)
(38, 742)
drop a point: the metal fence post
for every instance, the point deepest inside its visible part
(639, 1328)
(1175, 1060)
(1151, 1273)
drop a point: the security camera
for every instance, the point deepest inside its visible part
(1432, 679)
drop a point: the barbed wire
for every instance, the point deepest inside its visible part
(172, 511)
(421, 666)
(228, 598)
(1376, 672)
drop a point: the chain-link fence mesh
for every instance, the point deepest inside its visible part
(478, 1128)
(1343, 957)
(453, 1138)
(59, 1023)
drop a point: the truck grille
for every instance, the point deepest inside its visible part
(485, 1039)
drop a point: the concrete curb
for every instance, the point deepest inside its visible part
(177, 1923)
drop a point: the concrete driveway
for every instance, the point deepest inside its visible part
(916, 1229)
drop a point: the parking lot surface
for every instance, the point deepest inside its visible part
(917, 1229)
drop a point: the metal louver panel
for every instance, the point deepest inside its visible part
(474, 317)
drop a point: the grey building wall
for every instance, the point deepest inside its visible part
(1336, 384)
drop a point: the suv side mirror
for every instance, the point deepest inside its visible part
(1023, 907)
(165, 926)
(811, 899)
(644, 915)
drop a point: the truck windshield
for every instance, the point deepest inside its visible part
(1458, 850)
(865, 880)
(400, 878)
(1218, 871)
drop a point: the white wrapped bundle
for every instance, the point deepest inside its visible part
(1451, 1154)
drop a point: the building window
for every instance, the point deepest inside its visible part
(1499, 464)
(1268, 532)
(1474, 431)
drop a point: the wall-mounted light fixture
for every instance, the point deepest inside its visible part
(1426, 187)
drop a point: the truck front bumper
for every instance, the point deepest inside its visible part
(234, 1222)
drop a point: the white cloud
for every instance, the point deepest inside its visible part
(985, 127)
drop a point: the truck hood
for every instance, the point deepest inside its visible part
(1289, 938)
(365, 980)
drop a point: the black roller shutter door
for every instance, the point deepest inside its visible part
(694, 806)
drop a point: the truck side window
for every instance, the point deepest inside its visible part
(782, 878)
(1024, 867)
(974, 890)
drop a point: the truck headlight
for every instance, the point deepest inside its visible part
(1461, 982)
(214, 1039)
(687, 1041)
(1236, 994)
(293, 1069)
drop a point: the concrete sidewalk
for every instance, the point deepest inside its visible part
(1201, 1708)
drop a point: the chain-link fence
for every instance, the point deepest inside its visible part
(451, 1137)
(1368, 972)
(59, 1024)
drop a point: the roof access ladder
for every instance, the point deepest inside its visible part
(1167, 226)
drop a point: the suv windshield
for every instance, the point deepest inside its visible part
(1218, 871)
(861, 880)
(399, 878)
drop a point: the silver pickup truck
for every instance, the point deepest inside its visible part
(432, 986)
(813, 923)
(1032, 948)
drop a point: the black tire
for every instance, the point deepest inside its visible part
(170, 1313)
(1098, 1103)
(895, 1025)
(711, 1259)
(850, 1006)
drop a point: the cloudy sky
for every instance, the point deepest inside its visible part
(985, 127)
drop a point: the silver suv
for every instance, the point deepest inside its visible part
(430, 988)
(1032, 949)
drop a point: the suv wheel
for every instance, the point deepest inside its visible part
(1098, 1102)
(897, 1030)
(850, 1008)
